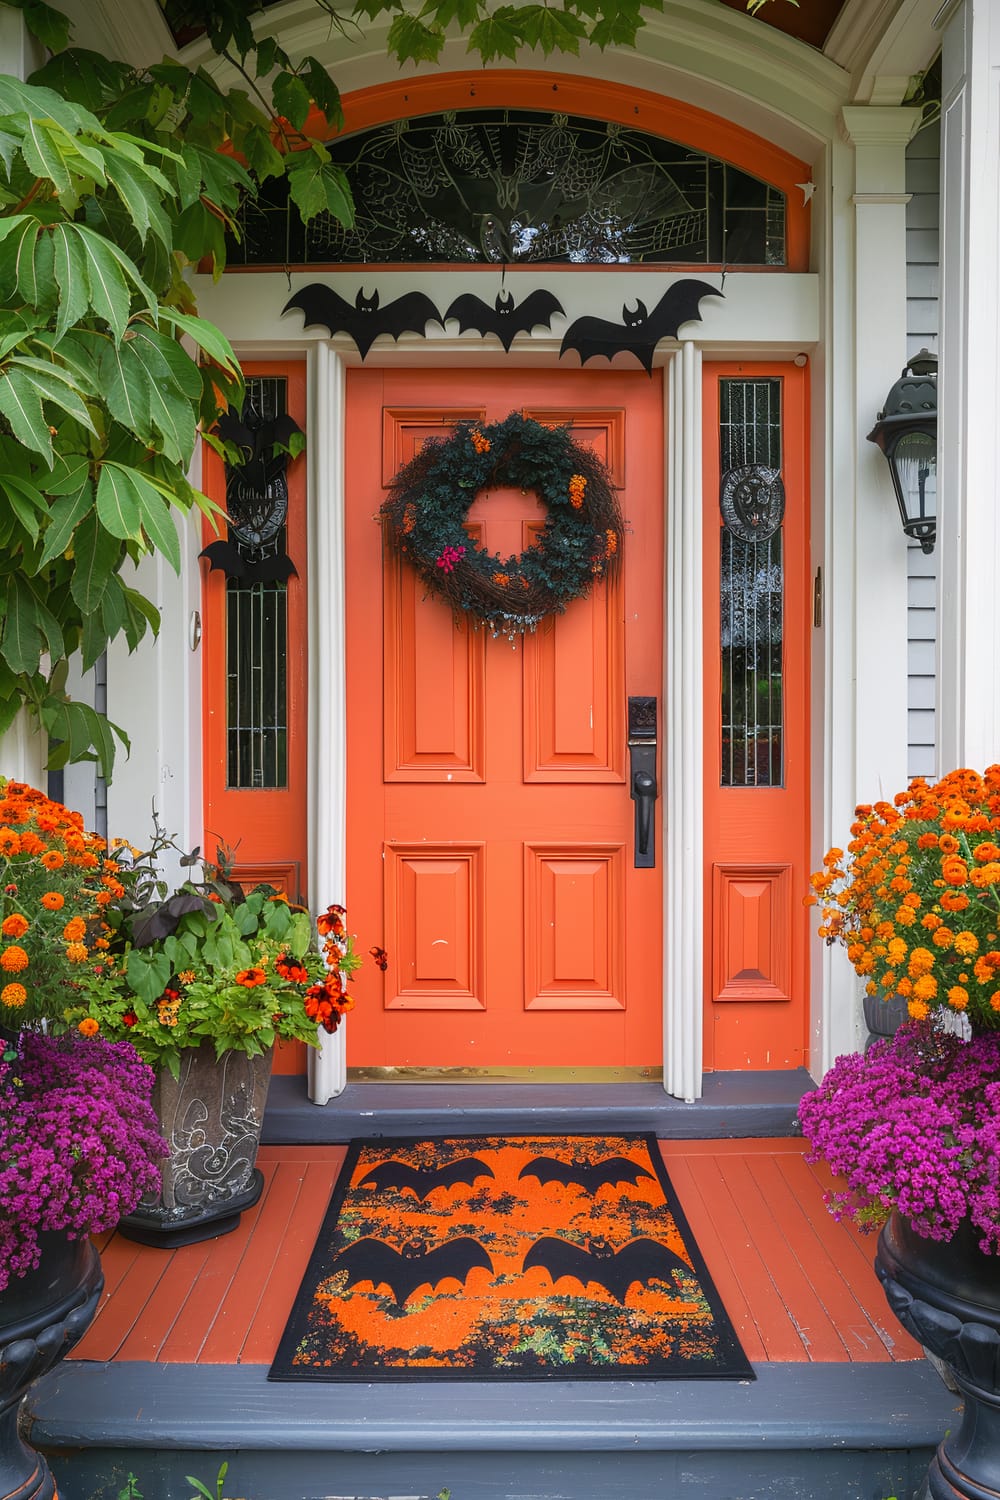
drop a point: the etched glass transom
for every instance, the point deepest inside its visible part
(520, 186)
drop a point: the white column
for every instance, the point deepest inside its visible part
(879, 135)
(683, 948)
(327, 676)
(968, 534)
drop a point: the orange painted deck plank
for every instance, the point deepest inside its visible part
(750, 1263)
(797, 1285)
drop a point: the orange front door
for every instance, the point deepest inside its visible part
(490, 830)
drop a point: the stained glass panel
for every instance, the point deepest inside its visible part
(256, 646)
(752, 587)
(520, 186)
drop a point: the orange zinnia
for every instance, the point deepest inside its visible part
(54, 900)
(13, 959)
(15, 925)
(13, 994)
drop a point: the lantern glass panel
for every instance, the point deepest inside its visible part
(914, 461)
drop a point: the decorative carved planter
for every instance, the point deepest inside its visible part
(947, 1295)
(211, 1117)
(42, 1315)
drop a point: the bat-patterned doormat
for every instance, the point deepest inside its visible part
(503, 1257)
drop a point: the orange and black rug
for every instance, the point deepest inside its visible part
(498, 1257)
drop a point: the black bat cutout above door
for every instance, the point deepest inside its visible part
(365, 318)
(640, 331)
(506, 318)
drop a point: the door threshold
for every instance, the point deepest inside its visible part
(500, 1074)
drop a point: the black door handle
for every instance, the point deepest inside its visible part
(642, 789)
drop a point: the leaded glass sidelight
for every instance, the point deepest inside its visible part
(751, 502)
(256, 644)
(522, 186)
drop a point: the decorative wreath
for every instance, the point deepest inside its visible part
(430, 497)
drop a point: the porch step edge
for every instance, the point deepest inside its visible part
(789, 1407)
(733, 1106)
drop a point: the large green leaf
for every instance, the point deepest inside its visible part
(153, 512)
(35, 269)
(26, 501)
(174, 387)
(70, 272)
(141, 192)
(97, 554)
(109, 294)
(76, 729)
(209, 338)
(291, 98)
(21, 404)
(43, 150)
(118, 507)
(126, 387)
(95, 635)
(66, 513)
(320, 186)
(22, 640)
(55, 385)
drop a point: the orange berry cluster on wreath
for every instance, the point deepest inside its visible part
(916, 899)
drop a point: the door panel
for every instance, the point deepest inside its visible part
(489, 824)
(757, 627)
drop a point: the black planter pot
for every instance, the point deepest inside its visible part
(211, 1117)
(42, 1315)
(947, 1295)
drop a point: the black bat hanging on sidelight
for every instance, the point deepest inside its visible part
(641, 1261)
(506, 318)
(423, 1180)
(402, 1271)
(365, 318)
(256, 497)
(640, 331)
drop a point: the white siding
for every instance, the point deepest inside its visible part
(922, 278)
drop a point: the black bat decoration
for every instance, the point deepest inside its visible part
(640, 331)
(642, 1260)
(506, 318)
(402, 1271)
(365, 320)
(423, 1180)
(589, 1175)
(277, 568)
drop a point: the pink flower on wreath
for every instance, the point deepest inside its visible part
(449, 557)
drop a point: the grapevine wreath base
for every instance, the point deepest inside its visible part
(580, 542)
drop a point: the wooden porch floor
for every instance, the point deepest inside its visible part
(798, 1286)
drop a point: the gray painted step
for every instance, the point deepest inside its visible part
(734, 1105)
(812, 1432)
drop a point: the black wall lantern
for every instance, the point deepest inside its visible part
(906, 431)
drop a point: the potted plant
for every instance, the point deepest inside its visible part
(203, 980)
(79, 1140)
(912, 1127)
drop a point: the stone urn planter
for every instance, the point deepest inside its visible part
(42, 1316)
(947, 1295)
(211, 1117)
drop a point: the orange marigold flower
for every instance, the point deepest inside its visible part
(251, 977)
(995, 1000)
(15, 925)
(88, 1026)
(986, 853)
(53, 900)
(955, 870)
(13, 959)
(930, 921)
(925, 988)
(921, 962)
(943, 937)
(10, 842)
(77, 953)
(52, 859)
(918, 1010)
(74, 929)
(912, 900)
(930, 840)
(958, 998)
(966, 943)
(954, 900)
(906, 916)
(13, 994)
(948, 843)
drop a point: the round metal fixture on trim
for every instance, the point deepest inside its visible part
(906, 432)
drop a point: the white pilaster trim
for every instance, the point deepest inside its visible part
(327, 717)
(683, 842)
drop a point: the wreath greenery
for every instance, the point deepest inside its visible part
(580, 542)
